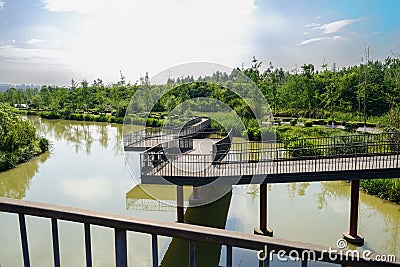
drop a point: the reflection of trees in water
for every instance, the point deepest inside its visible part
(323, 196)
(79, 134)
(254, 191)
(297, 189)
(377, 208)
(118, 144)
(15, 182)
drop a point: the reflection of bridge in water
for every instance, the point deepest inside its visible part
(163, 198)
(352, 157)
(155, 197)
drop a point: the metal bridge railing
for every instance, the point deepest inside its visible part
(191, 128)
(342, 153)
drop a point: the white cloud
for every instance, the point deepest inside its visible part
(12, 53)
(1, 4)
(35, 41)
(335, 26)
(313, 40)
(317, 39)
(91, 189)
(139, 36)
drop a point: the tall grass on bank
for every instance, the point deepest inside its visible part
(388, 189)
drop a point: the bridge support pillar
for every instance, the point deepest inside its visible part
(263, 229)
(352, 236)
(179, 204)
(195, 199)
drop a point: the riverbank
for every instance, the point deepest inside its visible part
(18, 142)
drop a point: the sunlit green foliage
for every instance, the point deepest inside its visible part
(385, 188)
(18, 142)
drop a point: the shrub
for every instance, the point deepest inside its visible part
(348, 145)
(293, 122)
(388, 189)
(32, 112)
(254, 133)
(51, 115)
(88, 117)
(101, 118)
(299, 147)
(308, 124)
(18, 140)
(77, 116)
(153, 122)
(43, 144)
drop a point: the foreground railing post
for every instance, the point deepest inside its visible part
(56, 247)
(352, 236)
(121, 257)
(304, 262)
(88, 245)
(24, 239)
(228, 256)
(154, 249)
(192, 253)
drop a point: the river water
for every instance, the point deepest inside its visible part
(86, 169)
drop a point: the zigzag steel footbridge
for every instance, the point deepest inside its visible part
(195, 159)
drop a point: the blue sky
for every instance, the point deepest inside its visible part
(53, 41)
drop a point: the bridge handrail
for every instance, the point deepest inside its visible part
(193, 233)
(155, 158)
(221, 148)
(180, 131)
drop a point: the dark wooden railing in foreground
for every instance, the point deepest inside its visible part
(122, 223)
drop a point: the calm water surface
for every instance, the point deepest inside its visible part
(86, 168)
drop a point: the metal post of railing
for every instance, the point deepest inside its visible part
(56, 247)
(88, 245)
(304, 261)
(192, 253)
(228, 256)
(121, 257)
(24, 240)
(154, 247)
